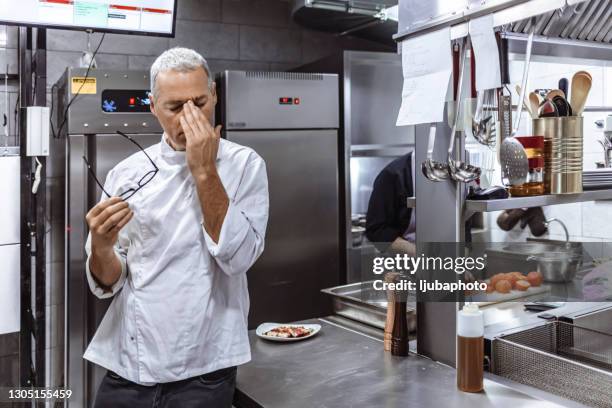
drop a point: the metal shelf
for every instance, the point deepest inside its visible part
(380, 150)
(473, 206)
(411, 202)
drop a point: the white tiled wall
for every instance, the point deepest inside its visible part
(589, 221)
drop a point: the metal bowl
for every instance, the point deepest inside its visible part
(558, 266)
(357, 234)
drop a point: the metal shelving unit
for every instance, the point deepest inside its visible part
(474, 206)
(567, 28)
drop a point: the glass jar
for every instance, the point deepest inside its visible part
(534, 185)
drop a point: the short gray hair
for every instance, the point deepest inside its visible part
(179, 59)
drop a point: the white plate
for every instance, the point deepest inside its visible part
(265, 327)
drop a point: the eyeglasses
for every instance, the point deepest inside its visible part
(144, 180)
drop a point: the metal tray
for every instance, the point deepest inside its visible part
(564, 359)
(360, 302)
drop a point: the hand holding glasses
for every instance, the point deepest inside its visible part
(144, 180)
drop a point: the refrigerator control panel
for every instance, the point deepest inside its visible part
(125, 100)
(288, 100)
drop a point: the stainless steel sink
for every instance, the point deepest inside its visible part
(359, 301)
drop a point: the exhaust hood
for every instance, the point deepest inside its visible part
(374, 20)
(587, 21)
(564, 28)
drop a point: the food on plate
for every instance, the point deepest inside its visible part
(490, 288)
(503, 286)
(522, 285)
(535, 278)
(288, 332)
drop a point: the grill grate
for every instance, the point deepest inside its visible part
(561, 358)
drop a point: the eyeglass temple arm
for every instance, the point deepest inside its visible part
(94, 177)
(128, 137)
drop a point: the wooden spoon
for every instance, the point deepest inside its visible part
(554, 92)
(534, 102)
(581, 85)
(585, 73)
(526, 104)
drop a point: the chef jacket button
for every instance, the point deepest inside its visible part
(132, 338)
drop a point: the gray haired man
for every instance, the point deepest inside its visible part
(174, 254)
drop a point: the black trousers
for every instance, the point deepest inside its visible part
(212, 390)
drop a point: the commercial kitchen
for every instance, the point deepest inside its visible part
(481, 130)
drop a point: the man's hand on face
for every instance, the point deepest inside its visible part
(202, 141)
(105, 220)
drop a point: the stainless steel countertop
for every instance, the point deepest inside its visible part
(342, 367)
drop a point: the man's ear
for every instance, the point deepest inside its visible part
(152, 105)
(213, 91)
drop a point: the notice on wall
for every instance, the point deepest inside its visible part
(427, 66)
(82, 85)
(486, 53)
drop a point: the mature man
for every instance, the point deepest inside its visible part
(186, 220)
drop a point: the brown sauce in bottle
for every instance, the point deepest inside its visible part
(470, 357)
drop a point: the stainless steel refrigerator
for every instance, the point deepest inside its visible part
(291, 120)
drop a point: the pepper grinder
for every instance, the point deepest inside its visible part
(399, 334)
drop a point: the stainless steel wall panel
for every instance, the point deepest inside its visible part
(76, 286)
(10, 211)
(375, 98)
(10, 288)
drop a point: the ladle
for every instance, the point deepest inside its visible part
(458, 170)
(433, 170)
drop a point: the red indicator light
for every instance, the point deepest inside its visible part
(296, 101)
(132, 101)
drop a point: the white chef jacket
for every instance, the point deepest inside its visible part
(181, 304)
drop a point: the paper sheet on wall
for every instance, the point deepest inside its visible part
(427, 66)
(486, 53)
